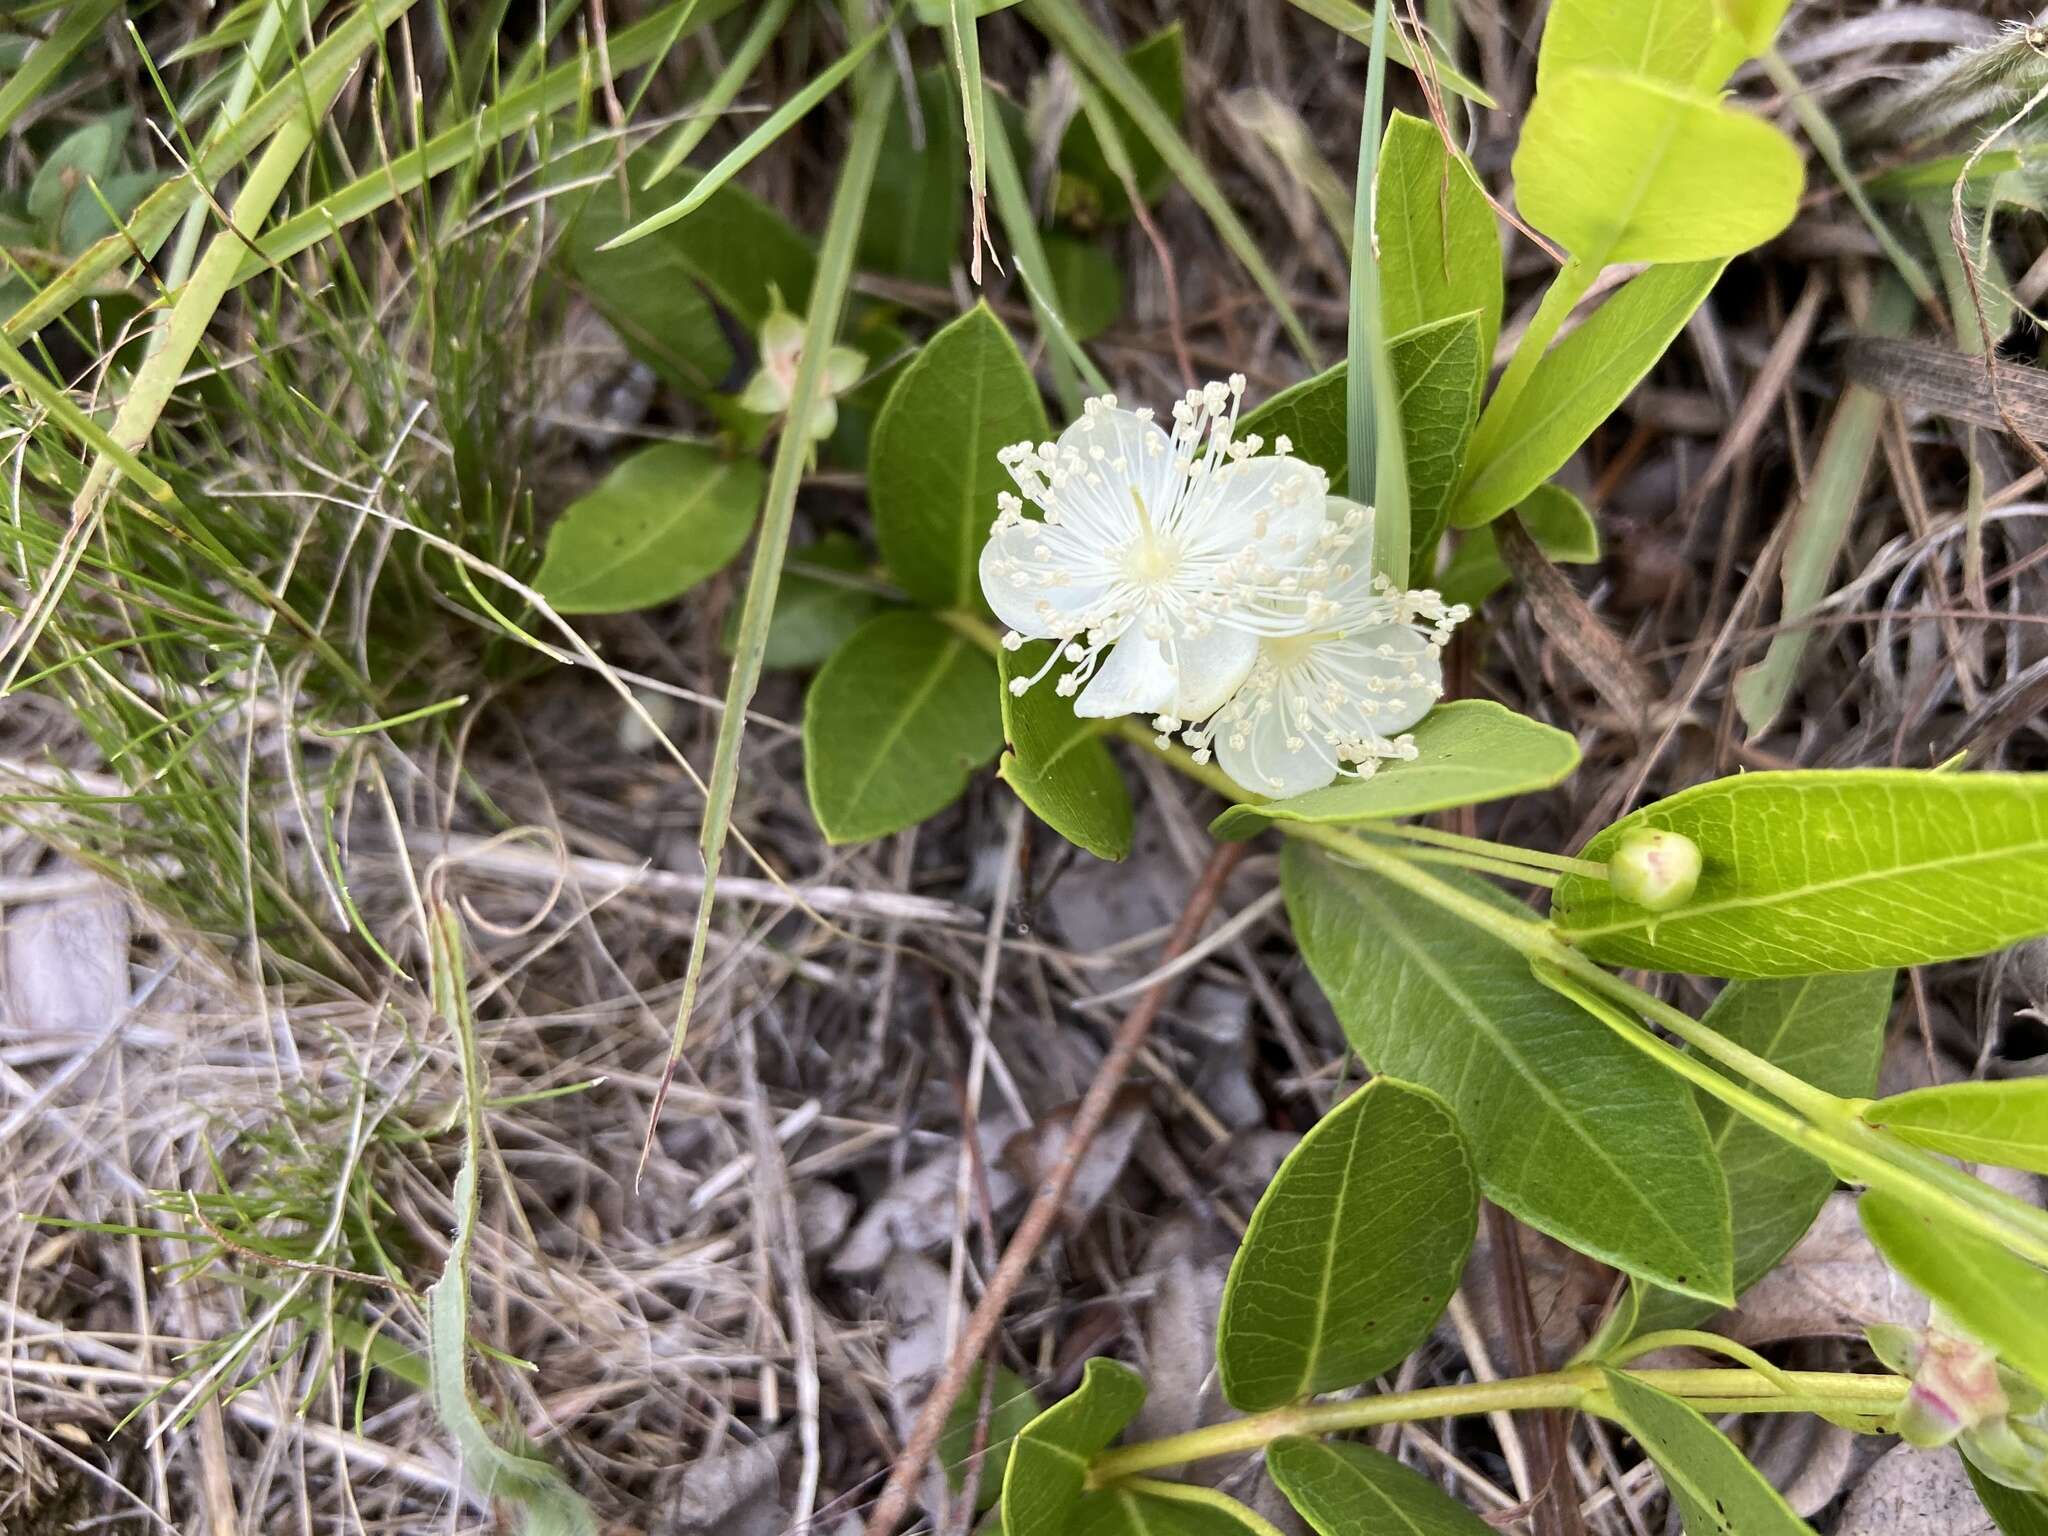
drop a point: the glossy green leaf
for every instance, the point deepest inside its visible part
(1667, 40)
(1439, 237)
(815, 609)
(1042, 1488)
(1820, 871)
(894, 726)
(1058, 763)
(1577, 385)
(2001, 1123)
(1717, 1491)
(1467, 752)
(1345, 1489)
(1437, 370)
(1012, 1405)
(932, 472)
(1571, 1129)
(1619, 168)
(1090, 192)
(917, 208)
(1994, 1296)
(1352, 1252)
(85, 154)
(1310, 415)
(1827, 1030)
(664, 519)
(1551, 515)
(2016, 1511)
(1088, 282)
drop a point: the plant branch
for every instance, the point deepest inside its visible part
(1047, 1202)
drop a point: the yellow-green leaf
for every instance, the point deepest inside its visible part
(1043, 1486)
(1817, 871)
(1439, 238)
(1667, 40)
(1345, 1489)
(1717, 1491)
(2002, 1123)
(1353, 1251)
(1994, 1296)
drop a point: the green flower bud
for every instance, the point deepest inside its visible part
(1655, 870)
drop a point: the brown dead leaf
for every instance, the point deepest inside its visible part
(1031, 1155)
(919, 1211)
(1831, 1285)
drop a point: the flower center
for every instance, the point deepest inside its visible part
(1287, 651)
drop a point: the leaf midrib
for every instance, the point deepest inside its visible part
(655, 531)
(885, 743)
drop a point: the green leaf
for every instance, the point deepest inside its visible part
(814, 614)
(1816, 871)
(1439, 237)
(1353, 1251)
(1754, 22)
(1575, 387)
(85, 154)
(1013, 1406)
(1149, 1508)
(1467, 752)
(1344, 1489)
(915, 212)
(894, 726)
(1059, 764)
(1667, 40)
(1995, 1297)
(1616, 167)
(1437, 370)
(85, 220)
(2018, 1512)
(932, 473)
(1049, 1459)
(1090, 191)
(1828, 1030)
(1310, 415)
(1717, 1491)
(1556, 519)
(2001, 1123)
(1088, 282)
(664, 519)
(1571, 1129)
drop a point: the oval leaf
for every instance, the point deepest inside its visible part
(1997, 1298)
(1353, 1252)
(1344, 1489)
(1042, 1487)
(1059, 764)
(1012, 1405)
(1671, 41)
(1439, 237)
(1571, 1129)
(1814, 871)
(663, 520)
(1575, 387)
(1717, 1491)
(895, 724)
(1467, 752)
(2001, 1123)
(1618, 167)
(1828, 1030)
(932, 471)
(1164, 1509)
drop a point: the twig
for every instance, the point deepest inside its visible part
(1046, 1204)
(1554, 1508)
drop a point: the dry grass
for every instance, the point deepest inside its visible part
(723, 1302)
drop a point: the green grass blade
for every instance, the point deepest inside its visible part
(705, 111)
(828, 304)
(1013, 207)
(1354, 21)
(1073, 33)
(964, 37)
(1378, 454)
(318, 77)
(48, 58)
(773, 127)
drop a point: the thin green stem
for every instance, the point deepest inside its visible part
(1723, 1391)
(1592, 869)
(1571, 284)
(1479, 863)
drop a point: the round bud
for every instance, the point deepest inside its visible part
(1655, 870)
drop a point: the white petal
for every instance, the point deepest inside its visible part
(1211, 668)
(1411, 679)
(1356, 553)
(1135, 679)
(1135, 453)
(1271, 501)
(1265, 765)
(1043, 604)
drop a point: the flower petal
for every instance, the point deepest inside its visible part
(1263, 756)
(1129, 453)
(1136, 679)
(1211, 666)
(1271, 502)
(1039, 598)
(1391, 678)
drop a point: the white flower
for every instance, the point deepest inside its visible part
(769, 391)
(1362, 665)
(1158, 559)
